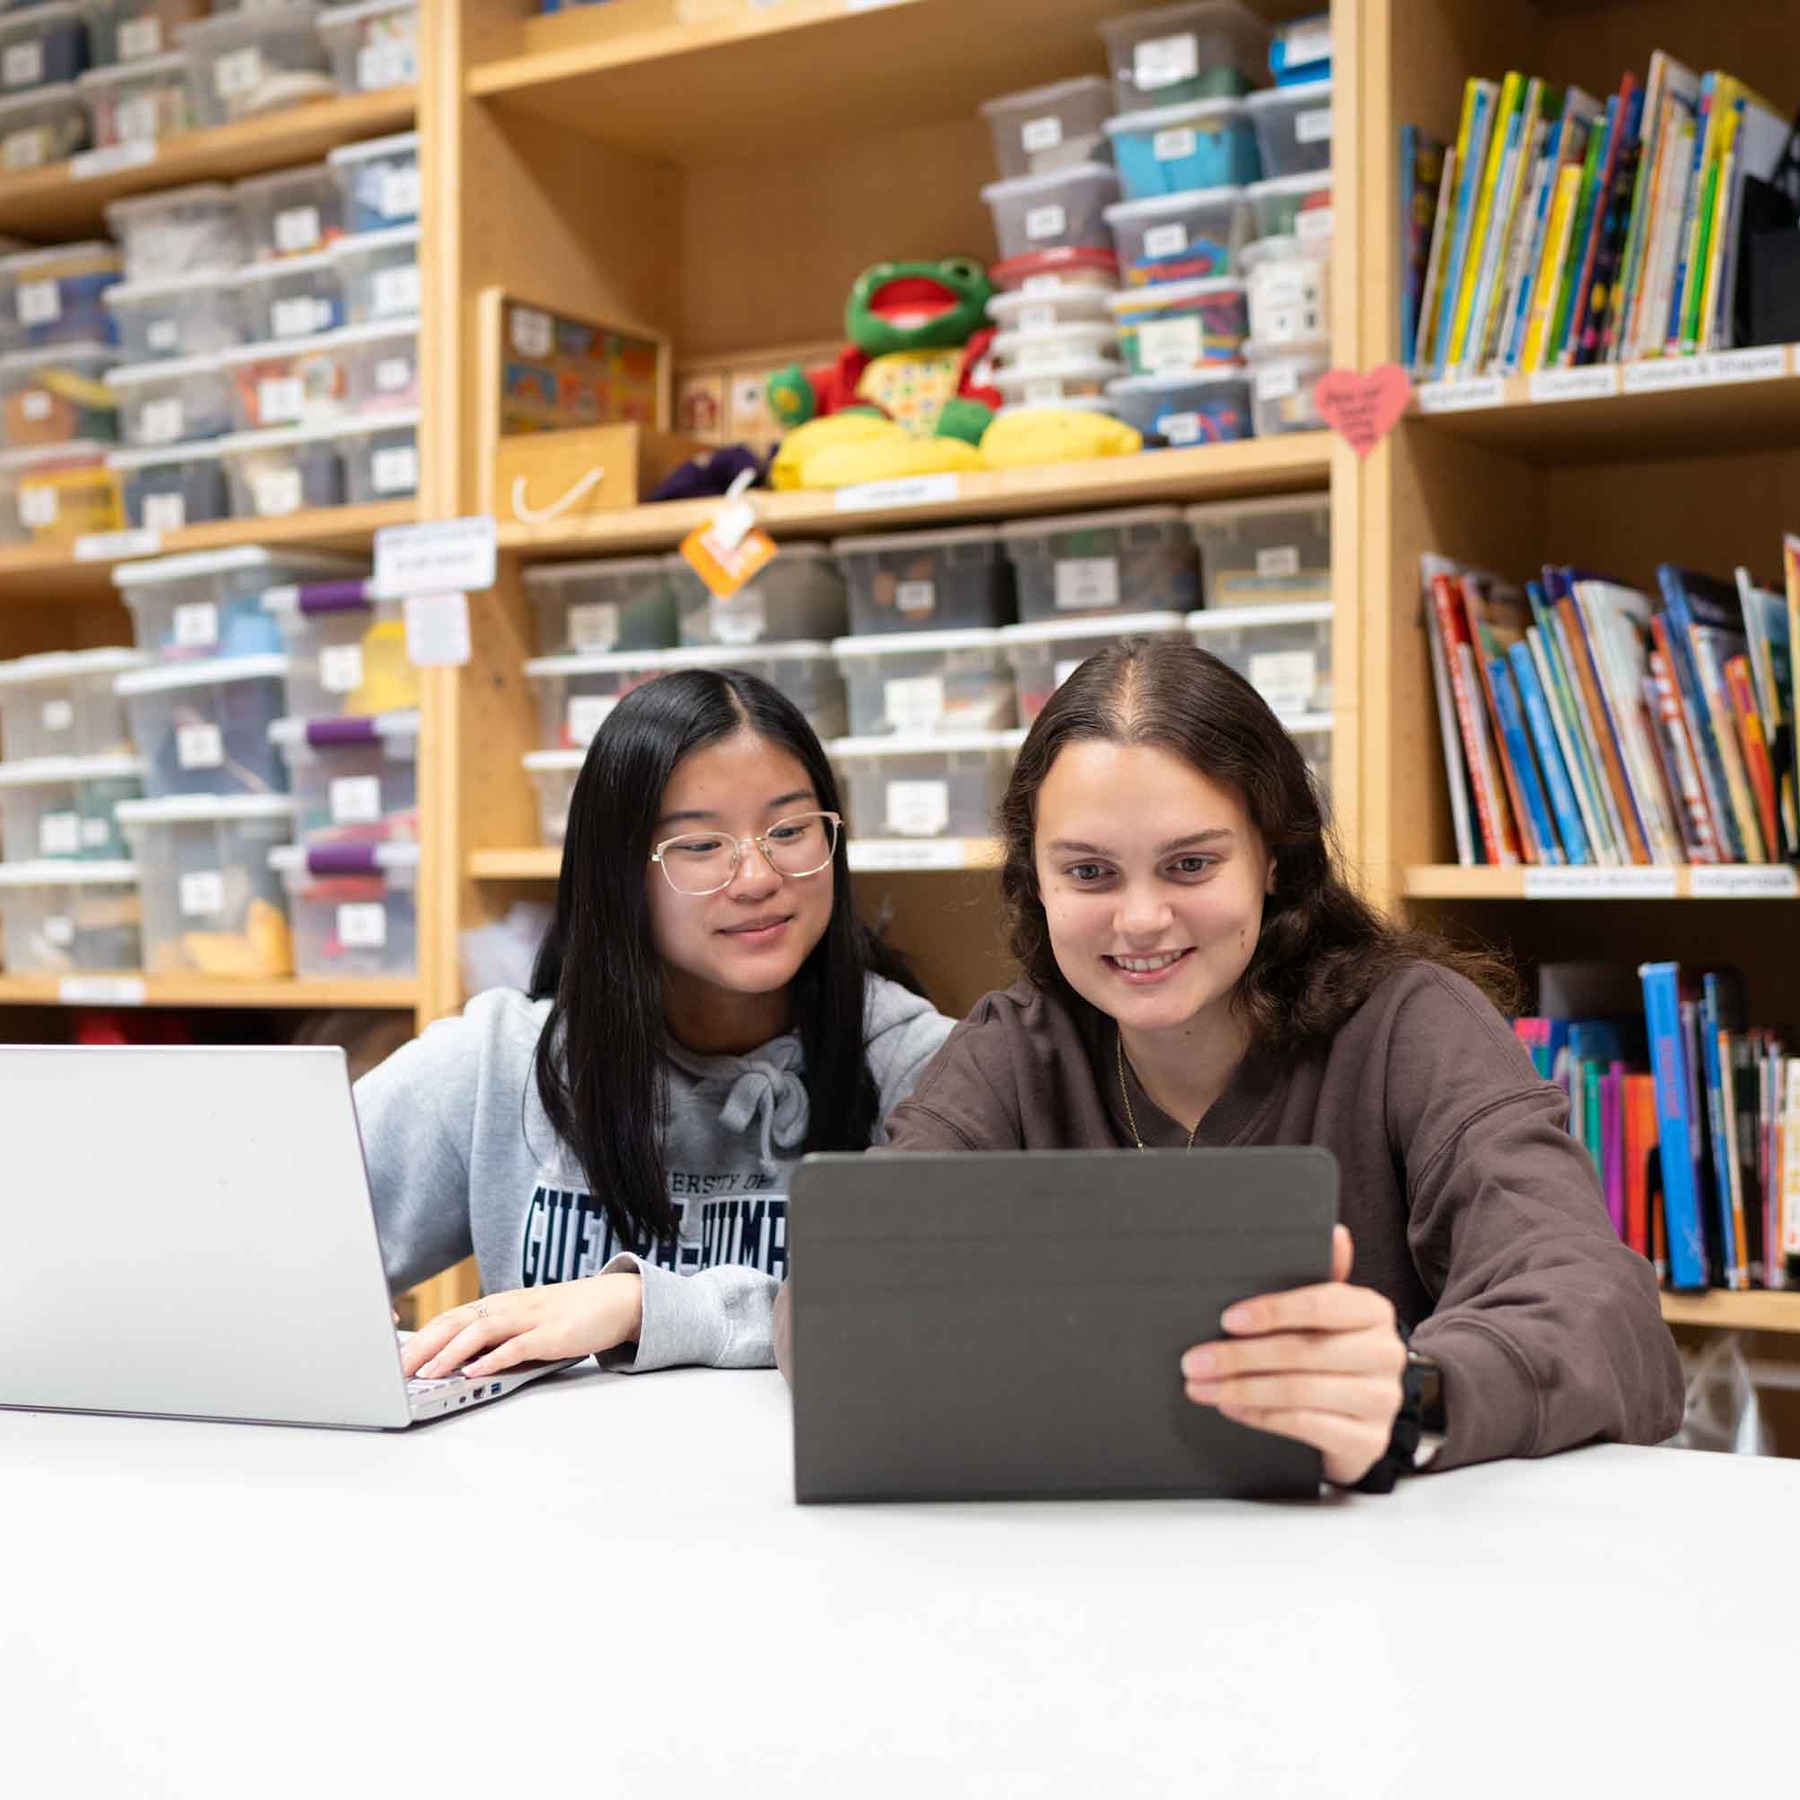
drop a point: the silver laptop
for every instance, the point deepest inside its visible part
(187, 1232)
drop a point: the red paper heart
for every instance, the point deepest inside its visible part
(1363, 409)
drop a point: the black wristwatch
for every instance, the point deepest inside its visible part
(1419, 1426)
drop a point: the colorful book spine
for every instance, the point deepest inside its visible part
(1498, 835)
(1586, 208)
(1588, 680)
(1679, 613)
(1516, 745)
(1721, 1131)
(1674, 1126)
(1697, 826)
(1569, 828)
(1625, 110)
(1758, 769)
(1550, 261)
(1640, 1149)
(1502, 143)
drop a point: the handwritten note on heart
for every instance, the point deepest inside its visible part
(1363, 408)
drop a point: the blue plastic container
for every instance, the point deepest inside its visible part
(1301, 50)
(1176, 149)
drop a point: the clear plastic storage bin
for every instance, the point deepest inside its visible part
(1044, 656)
(255, 60)
(553, 776)
(179, 234)
(1135, 561)
(203, 727)
(1046, 307)
(926, 682)
(57, 395)
(291, 469)
(927, 580)
(354, 781)
(354, 909)
(799, 596)
(175, 319)
(1282, 650)
(1057, 384)
(1181, 325)
(52, 495)
(1049, 128)
(133, 31)
(61, 918)
(591, 608)
(1283, 386)
(172, 487)
(346, 649)
(1288, 293)
(137, 102)
(1296, 206)
(62, 704)
(293, 212)
(925, 787)
(173, 401)
(379, 273)
(1176, 149)
(1293, 128)
(1040, 273)
(381, 366)
(299, 381)
(1180, 237)
(1253, 552)
(1195, 406)
(209, 603)
(41, 45)
(47, 125)
(1048, 346)
(61, 807)
(1065, 209)
(303, 297)
(1199, 50)
(56, 293)
(378, 182)
(374, 45)
(380, 456)
(211, 903)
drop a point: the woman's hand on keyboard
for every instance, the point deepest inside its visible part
(542, 1324)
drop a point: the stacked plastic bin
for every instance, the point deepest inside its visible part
(271, 337)
(68, 887)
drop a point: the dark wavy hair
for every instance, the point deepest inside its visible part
(1322, 950)
(600, 1059)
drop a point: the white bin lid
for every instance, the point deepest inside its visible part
(222, 562)
(164, 198)
(119, 74)
(914, 540)
(196, 450)
(902, 744)
(370, 148)
(1157, 206)
(554, 762)
(291, 733)
(1023, 187)
(203, 809)
(211, 671)
(175, 369)
(1047, 96)
(1272, 506)
(1294, 93)
(67, 665)
(58, 771)
(53, 358)
(1187, 112)
(910, 643)
(360, 243)
(1105, 625)
(1239, 618)
(687, 656)
(1027, 529)
(67, 874)
(556, 574)
(1312, 181)
(1171, 293)
(254, 274)
(392, 853)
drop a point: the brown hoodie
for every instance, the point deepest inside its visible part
(1471, 1207)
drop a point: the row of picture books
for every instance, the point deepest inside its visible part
(1692, 1118)
(1560, 230)
(1586, 723)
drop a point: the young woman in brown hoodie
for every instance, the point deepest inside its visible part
(1197, 972)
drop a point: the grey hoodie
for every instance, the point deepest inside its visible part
(462, 1161)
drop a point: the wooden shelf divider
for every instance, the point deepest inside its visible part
(130, 990)
(1734, 1311)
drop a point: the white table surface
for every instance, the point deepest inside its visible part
(604, 1581)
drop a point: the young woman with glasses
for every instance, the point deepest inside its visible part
(614, 1146)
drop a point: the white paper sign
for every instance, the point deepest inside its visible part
(587, 713)
(341, 668)
(196, 625)
(1596, 383)
(22, 65)
(162, 512)
(362, 925)
(201, 894)
(918, 808)
(277, 492)
(1083, 583)
(1046, 222)
(280, 399)
(199, 746)
(1278, 560)
(1161, 62)
(1181, 428)
(1314, 126)
(297, 230)
(38, 302)
(436, 557)
(1286, 679)
(59, 834)
(1036, 135)
(1165, 240)
(1461, 396)
(914, 702)
(915, 598)
(57, 715)
(1173, 145)
(1170, 345)
(299, 316)
(118, 546)
(162, 421)
(395, 470)
(59, 931)
(139, 38)
(395, 291)
(355, 800)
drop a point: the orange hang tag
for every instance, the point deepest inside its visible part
(729, 549)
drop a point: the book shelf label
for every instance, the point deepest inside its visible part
(134, 153)
(101, 990)
(116, 546)
(1601, 884)
(1765, 362)
(1756, 881)
(1462, 396)
(903, 853)
(1664, 372)
(1550, 385)
(908, 490)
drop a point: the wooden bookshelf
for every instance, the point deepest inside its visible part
(886, 856)
(1450, 881)
(133, 990)
(1734, 1312)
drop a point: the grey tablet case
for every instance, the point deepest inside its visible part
(1010, 1326)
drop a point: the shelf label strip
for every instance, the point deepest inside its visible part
(1601, 884)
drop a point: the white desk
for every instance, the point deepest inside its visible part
(602, 1587)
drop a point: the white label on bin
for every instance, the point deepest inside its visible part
(395, 470)
(341, 668)
(35, 404)
(1287, 679)
(136, 118)
(1085, 582)
(1040, 356)
(237, 72)
(140, 37)
(201, 894)
(1181, 429)
(299, 316)
(37, 506)
(437, 627)
(1313, 126)
(297, 230)
(1276, 383)
(197, 625)
(1040, 284)
(1161, 62)
(96, 833)
(918, 808)
(587, 713)
(199, 746)
(915, 598)
(280, 399)
(1171, 344)
(914, 702)
(1313, 227)
(362, 926)
(1174, 144)
(593, 627)
(23, 64)
(393, 374)
(356, 800)
(39, 303)
(1041, 134)
(59, 931)
(397, 194)
(23, 150)
(1278, 560)
(1037, 318)
(1283, 285)
(59, 834)
(386, 64)
(532, 334)
(163, 334)
(1165, 240)
(1065, 669)
(395, 291)
(58, 715)
(743, 619)
(277, 492)
(101, 990)
(164, 512)
(162, 421)
(1307, 44)
(1046, 222)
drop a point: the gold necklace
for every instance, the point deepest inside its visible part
(1125, 1095)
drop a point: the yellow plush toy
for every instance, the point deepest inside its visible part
(1049, 434)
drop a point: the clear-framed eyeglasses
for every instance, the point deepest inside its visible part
(703, 862)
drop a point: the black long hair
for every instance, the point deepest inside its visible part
(1323, 949)
(600, 1056)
